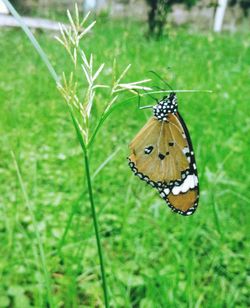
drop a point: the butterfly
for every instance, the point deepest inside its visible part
(162, 155)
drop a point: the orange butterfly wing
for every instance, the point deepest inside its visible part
(166, 160)
(162, 155)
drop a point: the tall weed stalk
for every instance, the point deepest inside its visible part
(80, 106)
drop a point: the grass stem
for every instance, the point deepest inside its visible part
(98, 241)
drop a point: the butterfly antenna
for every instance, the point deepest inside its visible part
(164, 81)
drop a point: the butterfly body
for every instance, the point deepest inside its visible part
(162, 155)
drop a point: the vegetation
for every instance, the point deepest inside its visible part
(158, 13)
(243, 4)
(153, 257)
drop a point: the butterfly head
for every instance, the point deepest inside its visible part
(165, 107)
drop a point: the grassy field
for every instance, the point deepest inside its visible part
(153, 257)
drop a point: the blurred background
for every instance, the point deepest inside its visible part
(153, 258)
(200, 12)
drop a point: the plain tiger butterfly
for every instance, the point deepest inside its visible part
(162, 155)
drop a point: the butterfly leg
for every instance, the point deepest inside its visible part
(139, 102)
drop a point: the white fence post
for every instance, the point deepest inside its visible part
(219, 15)
(89, 5)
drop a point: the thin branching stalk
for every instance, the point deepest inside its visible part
(81, 106)
(93, 210)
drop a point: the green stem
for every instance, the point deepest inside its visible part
(98, 241)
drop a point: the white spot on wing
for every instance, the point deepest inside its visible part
(189, 183)
(185, 150)
(166, 191)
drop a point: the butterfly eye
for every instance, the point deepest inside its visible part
(148, 149)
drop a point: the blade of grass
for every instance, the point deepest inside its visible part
(75, 207)
(216, 215)
(37, 234)
(176, 91)
(105, 115)
(107, 160)
(214, 193)
(78, 132)
(33, 41)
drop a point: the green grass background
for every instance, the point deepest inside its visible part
(153, 257)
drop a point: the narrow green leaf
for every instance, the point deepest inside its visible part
(33, 41)
(105, 115)
(78, 132)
